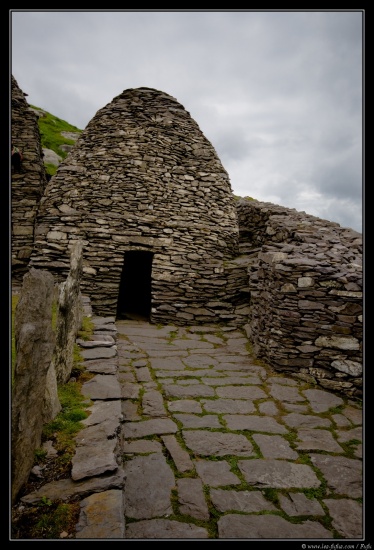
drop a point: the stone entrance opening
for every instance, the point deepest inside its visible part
(134, 297)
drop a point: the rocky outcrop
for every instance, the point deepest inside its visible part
(45, 358)
(68, 322)
(69, 318)
(35, 343)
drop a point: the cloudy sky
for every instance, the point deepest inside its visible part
(279, 94)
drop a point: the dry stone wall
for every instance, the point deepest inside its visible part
(26, 188)
(306, 299)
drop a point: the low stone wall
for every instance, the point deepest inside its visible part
(306, 300)
(219, 295)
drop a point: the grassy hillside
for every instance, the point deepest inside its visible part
(52, 131)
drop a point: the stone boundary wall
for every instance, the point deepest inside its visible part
(28, 187)
(306, 299)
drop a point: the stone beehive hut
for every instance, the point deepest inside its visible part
(146, 193)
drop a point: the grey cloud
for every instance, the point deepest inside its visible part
(278, 94)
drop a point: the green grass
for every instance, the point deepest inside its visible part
(50, 128)
(52, 529)
(86, 329)
(64, 427)
(47, 520)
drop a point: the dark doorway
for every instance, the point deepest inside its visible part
(134, 298)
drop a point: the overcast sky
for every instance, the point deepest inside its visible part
(277, 93)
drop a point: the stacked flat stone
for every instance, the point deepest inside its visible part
(305, 282)
(27, 187)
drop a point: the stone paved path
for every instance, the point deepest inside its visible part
(189, 437)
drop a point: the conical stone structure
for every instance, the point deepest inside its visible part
(146, 193)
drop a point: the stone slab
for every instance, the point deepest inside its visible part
(95, 459)
(286, 393)
(195, 421)
(298, 504)
(98, 353)
(343, 475)
(185, 406)
(102, 386)
(133, 430)
(297, 420)
(241, 392)
(254, 423)
(191, 498)
(179, 455)
(347, 517)
(141, 446)
(240, 501)
(164, 529)
(216, 473)
(278, 474)
(313, 439)
(101, 516)
(322, 401)
(149, 481)
(274, 446)
(234, 526)
(65, 489)
(153, 404)
(207, 443)
(221, 406)
(104, 410)
(198, 390)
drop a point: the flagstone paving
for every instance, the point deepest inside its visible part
(192, 438)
